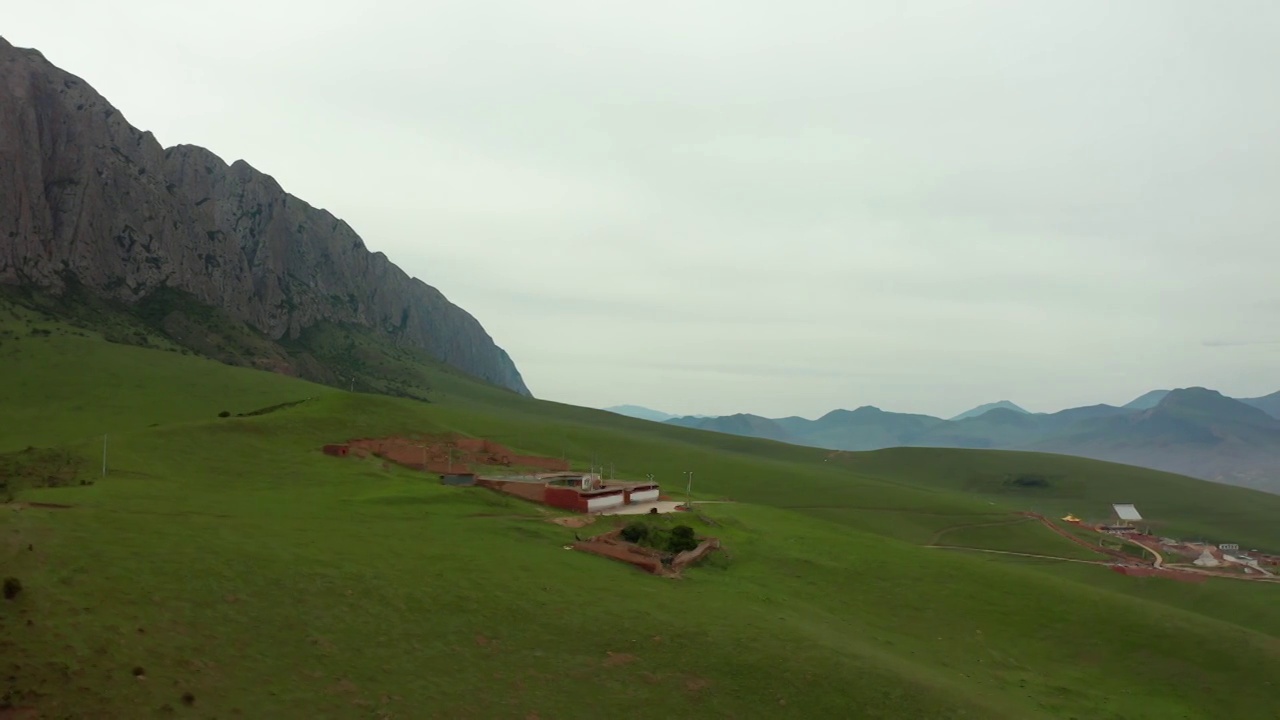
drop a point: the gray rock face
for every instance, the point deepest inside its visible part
(84, 194)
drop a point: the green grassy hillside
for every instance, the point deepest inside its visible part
(1057, 484)
(243, 573)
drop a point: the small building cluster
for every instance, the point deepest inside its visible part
(1123, 517)
(575, 491)
(1185, 559)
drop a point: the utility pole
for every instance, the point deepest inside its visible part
(104, 455)
(688, 490)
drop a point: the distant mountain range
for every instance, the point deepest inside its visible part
(644, 413)
(1192, 431)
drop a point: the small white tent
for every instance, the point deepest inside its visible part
(1206, 559)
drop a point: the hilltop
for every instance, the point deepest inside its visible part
(982, 409)
(1147, 400)
(1270, 404)
(740, 424)
(1195, 431)
(217, 257)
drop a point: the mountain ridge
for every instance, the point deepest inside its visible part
(988, 407)
(95, 202)
(1193, 431)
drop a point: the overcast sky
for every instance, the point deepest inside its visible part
(768, 207)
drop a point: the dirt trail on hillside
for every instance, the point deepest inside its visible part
(1078, 541)
(1010, 552)
(938, 535)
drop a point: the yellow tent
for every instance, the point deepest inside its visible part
(1071, 518)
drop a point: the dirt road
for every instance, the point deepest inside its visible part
(663, 506)
(1010, 552)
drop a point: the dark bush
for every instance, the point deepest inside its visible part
(225, 413)
(635, 532)
(12, 588)
(1031, 481)
(138, 671)
(188, 699)
(682, 539)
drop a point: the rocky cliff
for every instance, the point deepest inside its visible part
(86, 197)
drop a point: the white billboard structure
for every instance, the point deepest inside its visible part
(1126, 513)
(1123, 517)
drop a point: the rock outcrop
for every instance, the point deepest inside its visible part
(86, 197)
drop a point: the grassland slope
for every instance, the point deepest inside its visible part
(242, 572)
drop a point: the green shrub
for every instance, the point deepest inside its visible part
(681, 539)
(635, 532)
(12, 588)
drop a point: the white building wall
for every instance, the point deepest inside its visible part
(644, 496)
(596, 504)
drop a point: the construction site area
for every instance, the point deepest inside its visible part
(1124, 538)
(476, 462)
(1188, 561)
(1126, 544)
(465, 461)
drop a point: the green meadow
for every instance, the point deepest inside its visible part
(225, 568)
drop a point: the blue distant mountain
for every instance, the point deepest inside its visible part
(983, 409)
(1269, 404)
(1146, 401)
(644, 413)
(1192, 431)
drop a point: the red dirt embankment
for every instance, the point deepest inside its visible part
(443, 454)
(689, 557)
(625, 553)
(533, 492)
(1143, 571)
(611, 545)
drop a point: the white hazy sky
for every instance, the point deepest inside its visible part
(769, 207)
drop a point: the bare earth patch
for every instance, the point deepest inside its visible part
(618, 659)
(573, 522)
(696, 684)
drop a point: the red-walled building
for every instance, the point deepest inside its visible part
(574, 491)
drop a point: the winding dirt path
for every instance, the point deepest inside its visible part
(933, 541)
(1020, 554)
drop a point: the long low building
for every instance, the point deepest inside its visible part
(579, 492)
